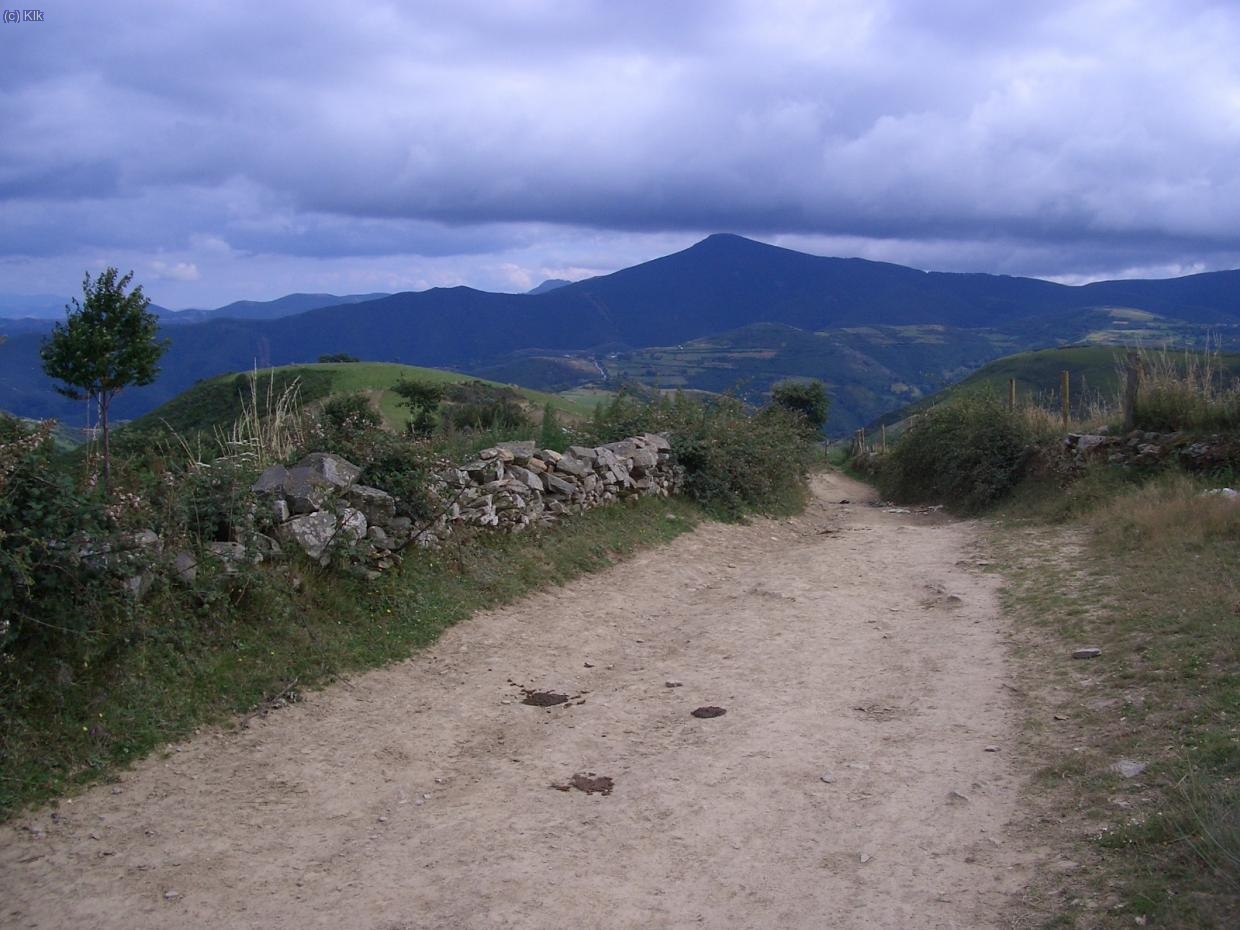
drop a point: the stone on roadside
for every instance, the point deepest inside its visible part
(1128, 768)
(378, 506)
(335, 470)
(313, 532)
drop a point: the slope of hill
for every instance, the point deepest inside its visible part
(217, 402)
(1094, 372)
(549, 285)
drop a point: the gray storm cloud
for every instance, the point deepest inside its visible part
(1047, 138)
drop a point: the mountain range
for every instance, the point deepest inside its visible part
(727, 312)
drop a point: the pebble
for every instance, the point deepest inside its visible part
(673, 683)
(828, 778)
(1128, 768)
(865, 857)
(992, 748)
(170, 895)
(1091, 652)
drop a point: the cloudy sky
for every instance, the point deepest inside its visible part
(240, 150)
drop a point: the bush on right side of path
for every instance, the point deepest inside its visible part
(967, 453)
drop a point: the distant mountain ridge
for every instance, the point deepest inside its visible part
(722, 284)
(289, 305)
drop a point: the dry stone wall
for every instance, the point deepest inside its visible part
(318, 506)
(1193, 452)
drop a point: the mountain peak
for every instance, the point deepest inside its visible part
(550, 284)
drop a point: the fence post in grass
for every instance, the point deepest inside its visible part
(1132, 378)
(1064, 387)
(1011, 394)
(882, 444)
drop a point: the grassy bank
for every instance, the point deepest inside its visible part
(1137, 751)
(272, 633)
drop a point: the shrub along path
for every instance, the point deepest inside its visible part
(861, 774)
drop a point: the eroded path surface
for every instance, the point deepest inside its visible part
(858, 778)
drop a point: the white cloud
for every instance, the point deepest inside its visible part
(175, 271)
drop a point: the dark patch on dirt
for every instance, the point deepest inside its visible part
(709, 711)
(536, 697)
(876, 711)
(543, 698)
(589, 783)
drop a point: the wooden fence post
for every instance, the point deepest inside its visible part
(1011, 394)
(1064, 387)
(882, 445)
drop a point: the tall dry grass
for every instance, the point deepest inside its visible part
(1186, 391)
(271, 426)
(1190, 390)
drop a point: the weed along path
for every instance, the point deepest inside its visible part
(543, 764)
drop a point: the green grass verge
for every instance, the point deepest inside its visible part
(1150, 573)
(204, 662)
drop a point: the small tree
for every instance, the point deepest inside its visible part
(807, 398)
(423, 399)
(106, 343)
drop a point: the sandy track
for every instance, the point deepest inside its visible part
(849, 642)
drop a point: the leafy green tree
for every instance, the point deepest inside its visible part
(806, 398)
(106, 343)
(423, 399)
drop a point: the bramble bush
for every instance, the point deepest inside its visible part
(41, 509)
(966, 453)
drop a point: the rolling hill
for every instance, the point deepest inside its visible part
(217, 402)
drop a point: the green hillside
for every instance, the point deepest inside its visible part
(217, 402)
(1094, 370)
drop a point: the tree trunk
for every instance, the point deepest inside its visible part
(105, 399)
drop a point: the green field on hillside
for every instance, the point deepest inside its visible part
(217, 402)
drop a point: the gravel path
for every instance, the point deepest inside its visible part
(859, 778)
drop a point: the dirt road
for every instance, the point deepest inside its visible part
(860, 777)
